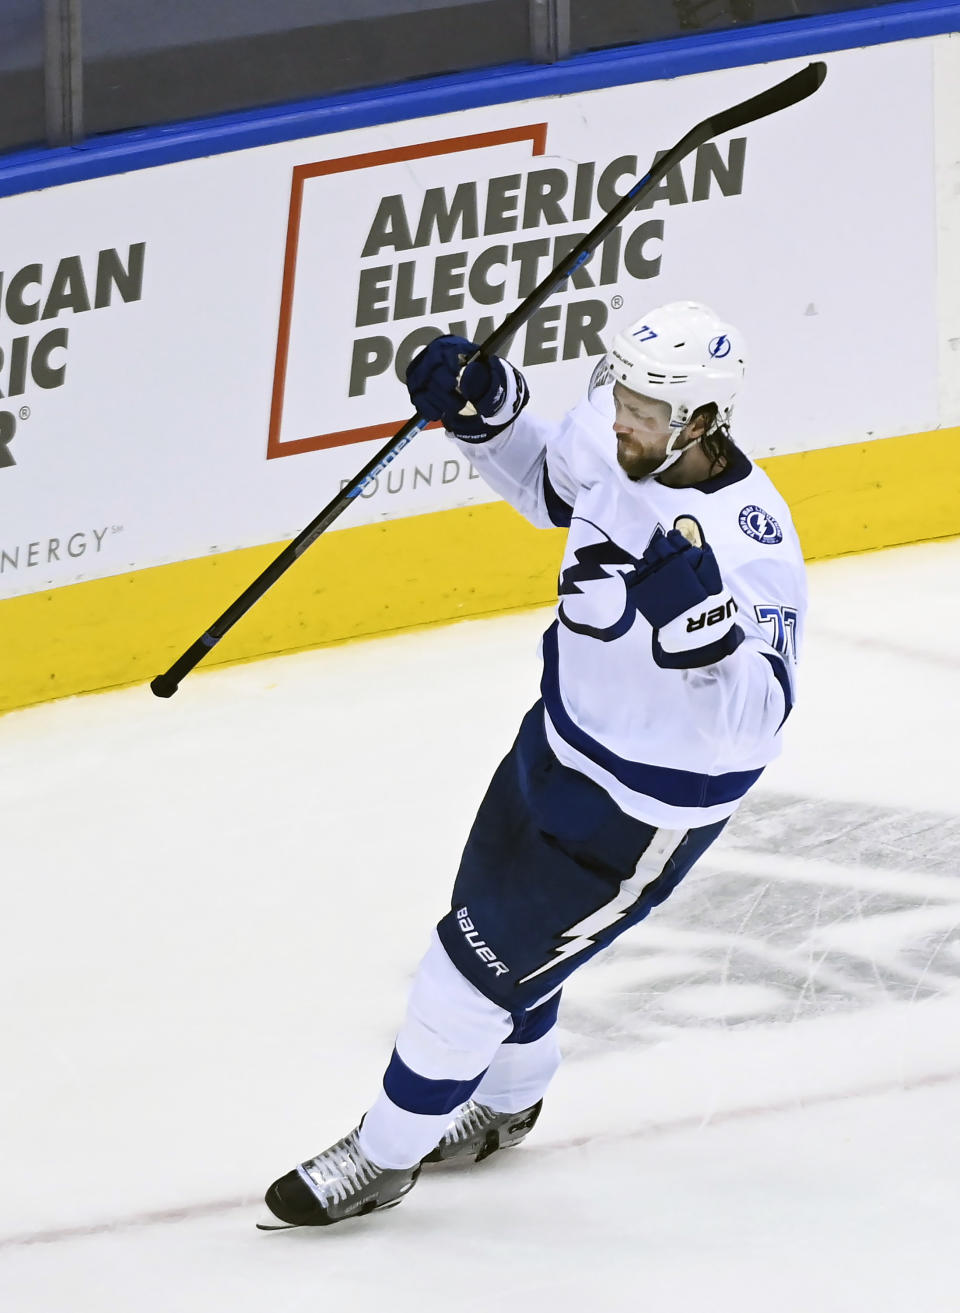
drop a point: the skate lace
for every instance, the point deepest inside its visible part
(471, 1119)
(340, 1171)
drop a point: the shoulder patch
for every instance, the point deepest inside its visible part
(760, 525)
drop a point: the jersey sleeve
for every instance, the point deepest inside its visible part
(757, 682)
(534, 465)
(750, 695)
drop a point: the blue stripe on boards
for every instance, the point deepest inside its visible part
(416, 1093)
(123, 152)
(676, 788)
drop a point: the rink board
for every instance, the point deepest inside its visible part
(196, 355)
(425, 569)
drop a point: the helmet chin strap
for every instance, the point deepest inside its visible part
(673, 455)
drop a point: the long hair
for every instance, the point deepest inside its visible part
(716, 443)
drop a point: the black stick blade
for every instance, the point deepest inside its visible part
(786, 93)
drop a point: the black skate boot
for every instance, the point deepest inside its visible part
(478, 1131)
(339, 1183)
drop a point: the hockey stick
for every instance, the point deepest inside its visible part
(789, 92)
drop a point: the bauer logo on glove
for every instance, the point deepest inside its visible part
(715, 616)
(677, 588)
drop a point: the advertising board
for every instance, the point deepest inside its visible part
(197, 356)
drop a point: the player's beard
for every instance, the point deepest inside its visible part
(634, 465)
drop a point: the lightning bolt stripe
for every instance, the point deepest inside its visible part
(663, 844)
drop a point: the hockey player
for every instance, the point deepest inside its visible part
(667, 676)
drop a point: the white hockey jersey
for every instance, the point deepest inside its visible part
(674, 748)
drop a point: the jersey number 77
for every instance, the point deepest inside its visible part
(783, 619)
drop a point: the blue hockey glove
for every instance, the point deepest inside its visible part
(678, 590)
(442, 387)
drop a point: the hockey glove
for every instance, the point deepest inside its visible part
(475, 401)
(678, 590)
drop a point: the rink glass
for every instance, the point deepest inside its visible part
(22, 113)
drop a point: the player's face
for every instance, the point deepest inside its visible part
(642, 426)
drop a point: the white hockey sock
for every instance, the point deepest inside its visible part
(450, 1035)
(394, 1138)
(519, 1074)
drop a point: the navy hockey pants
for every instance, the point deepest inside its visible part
(549, 875)
(552, 872)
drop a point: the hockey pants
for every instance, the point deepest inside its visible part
(551, 873)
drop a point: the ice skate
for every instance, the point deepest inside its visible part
(339, 1183)
(478, 1131)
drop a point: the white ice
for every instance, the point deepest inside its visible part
(212, 906)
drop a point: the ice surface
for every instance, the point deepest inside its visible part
(212, 907)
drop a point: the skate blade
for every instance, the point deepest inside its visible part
(269, 1222)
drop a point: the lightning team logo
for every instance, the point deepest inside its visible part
(605, 609)
(584, 610)
(760, 525)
